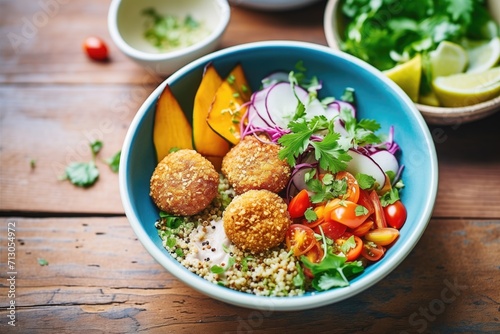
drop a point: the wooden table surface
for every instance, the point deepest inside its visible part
(100, 279)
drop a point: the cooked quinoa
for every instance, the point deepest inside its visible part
(274, 272)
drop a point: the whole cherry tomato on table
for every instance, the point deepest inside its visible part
(95, 48)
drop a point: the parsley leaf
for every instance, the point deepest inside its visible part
(171, 221)
(82, 174)
(360, 132)
(295, 142)
(42, 262)
(365, 181)
(310, 215)
(220, 270)
(330, 156)
(360, 210)
(326, 189)
(333, 271)
(114, 162)
(96, 147)
(389, 197)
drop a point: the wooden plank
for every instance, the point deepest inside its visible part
(469, 169)
(43, 45)
(100, 279)
(53, 125)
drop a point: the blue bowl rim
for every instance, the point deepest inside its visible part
(295, 303)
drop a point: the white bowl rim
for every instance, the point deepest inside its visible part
(146, 56)
(279, 303)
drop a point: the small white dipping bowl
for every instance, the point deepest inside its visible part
(127, 26)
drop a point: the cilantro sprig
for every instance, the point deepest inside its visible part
(333, 271)
(85, 174)
(329, 154)
(360, 132)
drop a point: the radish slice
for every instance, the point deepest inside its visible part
(299, 179)
(274, 78)
(274, 106)
(348, 106)
(361, 163)
(281, 103)
(386, 161)
(332, 111)
(257, 112)
(314, 108)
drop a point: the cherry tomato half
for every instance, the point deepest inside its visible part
(346, 212)
(395, 214)
(315, 254)
(332, 229)
(362, 229)
(379, 216)
(365, 200)
(354, 252)
(300, 239)
(299, 204)
(95, 48)
(372, 252)
(320, 214)
(352, 193)
(382, 236)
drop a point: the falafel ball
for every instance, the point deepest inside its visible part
(254, 164)
(256, 221)
(184, 183)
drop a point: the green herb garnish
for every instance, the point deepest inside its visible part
(169, 32)
(114, 162)
(82, 174)
(333, 271)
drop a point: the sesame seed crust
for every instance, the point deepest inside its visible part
(184, 183)
(256, 221)
(254, 164)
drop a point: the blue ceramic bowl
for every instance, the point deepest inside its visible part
(378, 98)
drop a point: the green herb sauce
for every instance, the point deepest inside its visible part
(169, 32)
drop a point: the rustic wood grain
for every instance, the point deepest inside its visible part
(61, 120)
(53, 125)
(101, 279)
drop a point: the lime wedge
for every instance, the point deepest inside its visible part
(484, 56)
(407, 76)
(448, 58)
(429, 99)
(465, 89)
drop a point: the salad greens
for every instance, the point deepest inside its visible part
(385, 32)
